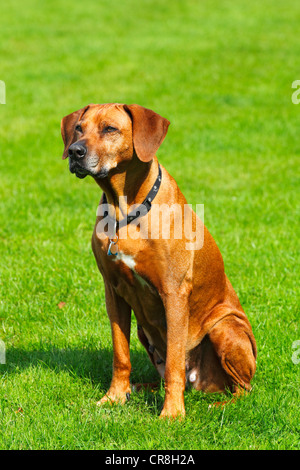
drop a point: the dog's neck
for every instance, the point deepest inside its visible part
(129, 187)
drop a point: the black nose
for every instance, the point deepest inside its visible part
(77, 150)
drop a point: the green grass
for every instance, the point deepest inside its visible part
(221, 72)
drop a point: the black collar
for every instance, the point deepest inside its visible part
(143, 208)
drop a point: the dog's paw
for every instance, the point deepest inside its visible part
(172, 412)
(114, 397)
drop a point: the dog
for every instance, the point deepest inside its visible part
(189, 317)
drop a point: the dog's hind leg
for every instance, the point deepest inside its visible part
(234, 344)
(204, 369)
(225, 359)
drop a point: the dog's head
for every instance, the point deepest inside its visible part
(101, 138)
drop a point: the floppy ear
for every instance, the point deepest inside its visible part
(148, 130)
(67, 127)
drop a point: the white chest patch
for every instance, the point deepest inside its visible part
(126, 259)
(130, 262)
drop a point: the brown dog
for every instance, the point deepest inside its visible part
(189, 317)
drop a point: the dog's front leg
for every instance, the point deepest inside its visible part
(119, 313)
(177, 316)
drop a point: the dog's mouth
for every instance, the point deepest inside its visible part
(81, 172)
(78, 170)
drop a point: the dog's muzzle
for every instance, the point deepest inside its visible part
(83, 164)
(76, 153)
(76, 168)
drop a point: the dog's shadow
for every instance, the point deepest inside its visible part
(90, 363)
(93, 365)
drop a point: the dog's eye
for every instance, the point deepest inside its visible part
(108, 129)
(78, 128)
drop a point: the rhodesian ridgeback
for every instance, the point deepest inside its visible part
(189, 317)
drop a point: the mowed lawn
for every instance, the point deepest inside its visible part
(221, 72)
